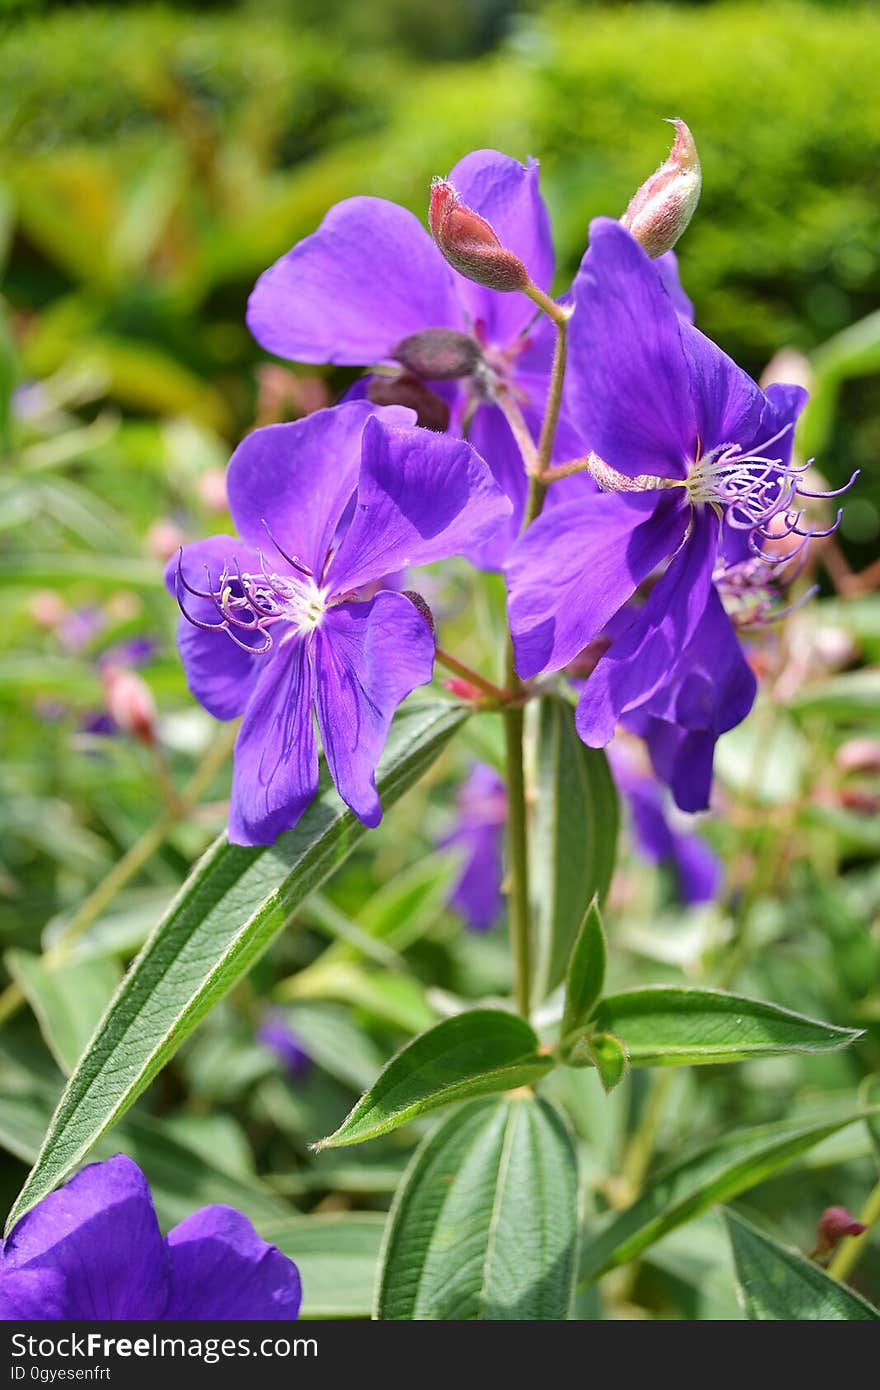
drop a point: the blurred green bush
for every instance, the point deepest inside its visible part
(157, 160)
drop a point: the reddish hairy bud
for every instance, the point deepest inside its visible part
(439, 353)
(406, 389)
(421, 605)
(463, 689)
(834, 1224)
(130, 703)
(470, 244)
(660, 210)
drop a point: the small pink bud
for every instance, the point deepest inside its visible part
(432, 412)
(211, 487)
(463, 689)
(660, 210)
(859, 755)
(130, 703)
(163, 539)
(834, 1224)
(470, 244)
(47, 609)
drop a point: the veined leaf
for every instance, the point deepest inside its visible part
(232, 906)
(574, 839)
(67, 999)
(662, 1026)
(485, 1223)
(780, 1285)
(586, 974)
(337, 1257)
(714, 1173)
(473, 1054)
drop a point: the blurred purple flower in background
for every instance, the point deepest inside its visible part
(479, 835)
(696, 867)
(274, 625)
(276, 1033)
(93, 1250)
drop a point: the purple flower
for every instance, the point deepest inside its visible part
(371, 277)
(93, 1250)
(695, 465)
(275, 1033)
(274, 625)
(478, 834)
(696, 867)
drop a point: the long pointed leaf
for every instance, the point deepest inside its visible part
(225, 916)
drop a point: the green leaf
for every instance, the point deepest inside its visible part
(586, 974)
(228, 912)
(666, 1026)
(484, 1225)
(573, 841)
(337, 1257)
(715, 1172)
(609, 1057)
(779, 1285)
(67, 999)
(472, 1054)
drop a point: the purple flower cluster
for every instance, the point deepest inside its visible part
(680, 488)
(93, 1250)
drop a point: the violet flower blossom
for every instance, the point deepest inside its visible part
(696, 868)
(93, 1250)
(479, 834)
(695, 465)
(357, 289)
(274, 625)
(276, 1033)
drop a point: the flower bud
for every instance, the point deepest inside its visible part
(440, 354)
(834, 1224)
(463, 690)
(130, 703)
(470, 244)
(405, 389)
(660, 210)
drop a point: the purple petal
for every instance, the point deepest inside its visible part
(666, 267)
(683, 758)
(91, 1250)
(421, 497)
(368, 277)
(476, 895)
(219, 674)
(698, 869)
(221, 1269)
(506, 193)
(647, 653)
(489, 434)
(578, 564)
(727, 406)
(368, 657)
(275, 1033)
(275, 774)
(298, 479)
(628, 383)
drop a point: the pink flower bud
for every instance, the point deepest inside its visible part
(463, 689)
(660, 210)
(211, 486)
(130, 703)
(470, 244)
(163, 539)
(47, 609)
(834, 1224)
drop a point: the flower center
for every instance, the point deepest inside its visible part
(250, 605)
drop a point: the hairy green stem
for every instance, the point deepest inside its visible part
(519, 905)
